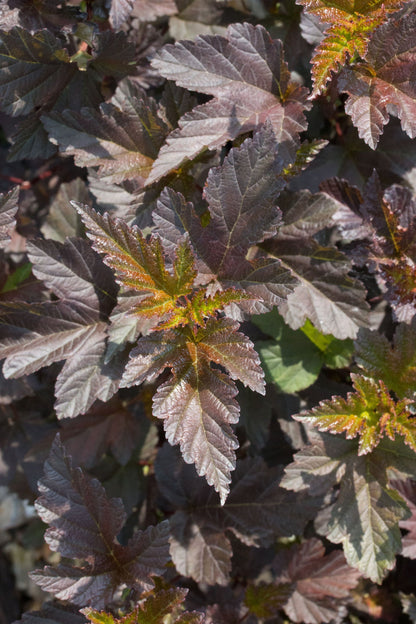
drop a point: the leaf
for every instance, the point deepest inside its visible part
(111, 427)
(84, 524)
(36, 70)
(250, 82)
(159, 604)
(369, 413)
(52, 613)
(350, 25)
(8, 209)
(265, 600)
(394, 363)
(256, 511)
(121, 141)
(291, 360)
(326, 295)
(72, 328)
(140, 265)
(409, 605)
(197, 402)
(30, 140)
(148, 10)
(62, 221)
(119, 12)
(381, 86)
(318, 581)
(406, 489)
(244, 187)
(366, 514)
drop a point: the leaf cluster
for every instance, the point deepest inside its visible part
(207, 310)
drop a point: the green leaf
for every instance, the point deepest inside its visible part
(295, 357)
(369, 413)
(157, 605)
(350, 26)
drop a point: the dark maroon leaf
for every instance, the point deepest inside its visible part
(84, 525)
(52, 614)
(407, 490)
(326, 294)
(318, 582)
(253, 512)
(122, 138)
(113, 426)
(241, 195)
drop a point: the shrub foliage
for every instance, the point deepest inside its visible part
(207, 309)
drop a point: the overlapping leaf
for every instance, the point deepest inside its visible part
(388, 228)
(51, 612)
(71, 328)
(250, 82)
(197, 402)
(256, 511)
(38, 75)
(370, 413)
(8, 209)
(365, 517)
(84, 524)
(394, 363)
(241, 195)
(318, 582)
(161, 603)
(122, 138)
(382, 85)
(113, 426)
(326, 294)
(350, 25)
(407, 490)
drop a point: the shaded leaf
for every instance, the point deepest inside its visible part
(365, 517)
(327, 295)
(8, 209)
(394, 363)
(250, 82)
(256, 511)
(36, 70)
(84, 524)
(114, 426)
(51, 614)
(318, 582)
(122, 141)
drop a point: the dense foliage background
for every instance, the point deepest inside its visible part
(207, 303)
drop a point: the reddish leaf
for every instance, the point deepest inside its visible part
(250, 82)
(382, 85)
(256, 511)
(72, 328)
(318, 582)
